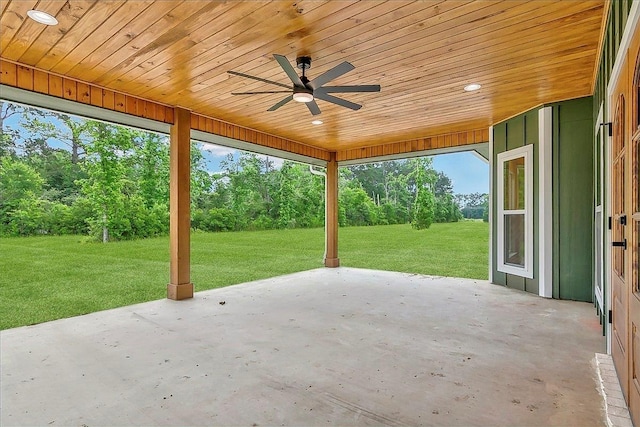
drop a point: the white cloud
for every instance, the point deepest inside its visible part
(217, 150)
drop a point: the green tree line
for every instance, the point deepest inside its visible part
(112, 182)
(474, 205)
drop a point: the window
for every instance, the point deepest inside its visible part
(515, 212)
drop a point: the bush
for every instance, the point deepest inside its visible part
(359, 209)
(263, 222)
(81, 212)
(27, 218)
(58, 218)
(220, 219)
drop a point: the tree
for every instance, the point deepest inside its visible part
(17, 181)
(42, 126)
(485, 209)
(309, 197)
(201, 181)
(60, 175)
(106, 183)
(20, 191)
(474, 205)
(248, 189)
(152, 159)
(373, 179)
(8, 135)
(113, 182)
(446, 207)
(286, 197)
(443, 185)
(424, 205)
(358, 206)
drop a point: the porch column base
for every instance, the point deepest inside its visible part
(332, 262)
(180, 292)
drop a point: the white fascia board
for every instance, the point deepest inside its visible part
(459, 149)
(482, 154)
(253, 148)
(34, 99)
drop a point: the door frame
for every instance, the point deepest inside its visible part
(632, 23)
(605, 208)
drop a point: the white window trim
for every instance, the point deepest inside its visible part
(545, 203)
(491, 197)
(527, 153)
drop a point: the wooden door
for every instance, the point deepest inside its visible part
(619, 290)
(633, 235)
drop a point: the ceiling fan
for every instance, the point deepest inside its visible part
(307, 91)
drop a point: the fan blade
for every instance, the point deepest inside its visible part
(344, 89)
(281, 103)
(333, 73)
(313, 107)
(286, 66)
(235, 73)
(260, 93)
(338, 101)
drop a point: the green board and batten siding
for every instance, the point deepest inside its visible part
(515, 133)
(573, 200)
(572, 177)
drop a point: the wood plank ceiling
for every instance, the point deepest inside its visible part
(422, 53)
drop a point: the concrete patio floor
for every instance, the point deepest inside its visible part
(324, 347)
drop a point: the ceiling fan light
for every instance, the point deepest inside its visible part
(303, 97)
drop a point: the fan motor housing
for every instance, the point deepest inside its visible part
(303, 62)
(298, 89)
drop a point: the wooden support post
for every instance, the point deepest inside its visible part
(180, 286)
(332, 259)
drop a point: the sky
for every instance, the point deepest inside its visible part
(468, 173)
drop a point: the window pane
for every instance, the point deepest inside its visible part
(514, 240)
(514, 184)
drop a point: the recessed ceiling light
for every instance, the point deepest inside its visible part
(472, 87)
(42, 17)
(316, 122)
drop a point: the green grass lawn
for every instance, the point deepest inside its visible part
(51, 277)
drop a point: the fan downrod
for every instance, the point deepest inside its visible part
(303, 62)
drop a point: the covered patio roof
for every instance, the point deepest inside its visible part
(146, 57)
